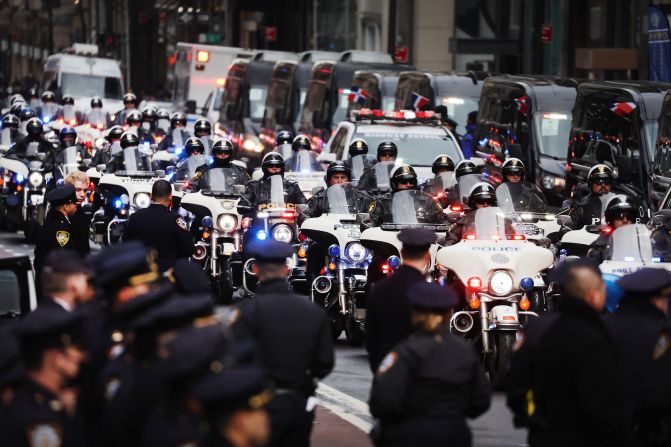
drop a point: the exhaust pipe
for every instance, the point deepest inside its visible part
(462, 322)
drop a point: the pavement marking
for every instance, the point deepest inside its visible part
(344, 406)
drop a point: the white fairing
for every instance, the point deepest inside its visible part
(579, 237)
(14, 166)
(632, 250)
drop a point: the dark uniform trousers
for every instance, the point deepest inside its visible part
(162, 230)
(424, 390)
(294, 358)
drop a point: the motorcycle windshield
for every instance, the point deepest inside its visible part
(49, 110)
(631, 243)
(403, 207)
(207, 145)
(221, 180)
(276, 189)
(32, 149)
(115, 148)
(186, 169)
(6, 138)
(134, 161)
(359, 163)
(304, 161)
(284, 149)
(340, 198)
(96, 116)
(70, 162)
(69, 113)
(35, 165)
(445, 180)
(489, 223)
(382, 170)
(163, 124)
(605, 200)
(177, 140)
(466, 182)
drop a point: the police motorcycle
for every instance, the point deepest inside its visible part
(341, 288)
(306, 171)
(121, 193)
(161, 159)
(501, 277)
(577, 242)
(215, 207)
(528, 220)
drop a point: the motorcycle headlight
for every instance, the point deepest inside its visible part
(282, 233)
(35, 179)
(142, 200)
(501, 283)
(227, 222)
(356, 252)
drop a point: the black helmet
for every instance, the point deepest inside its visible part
(129, 139)
(67, 132)
(193, 145)
(620, 206)
(599, 173)
(387, 148)
(27, 113)
(134, 117)
(10, 122)
(202, 125)
(512, 166)
(16, 108)
(177, 118)
(301, 142)
(465, 167)
(149, 114)
(130, 98)
(114, 133)
(337, 167)
(358, 147)
(223, 146)
(96, 102)
(482, 192)
(34, 127)
(272, 160)
(403, 172)
(442, 163)
(48, 96)
(68, 101)
(162, 115)
(283, 137)
(17, 97)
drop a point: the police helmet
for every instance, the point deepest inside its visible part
(114, 133)
(301, 142)
(465, 167)
(620, 206)
(67, 132)
(512, 166)
(130, 98)
(10, 122)
(223, 146)
(202, 126)
(358, 147)
(134, 118)
(177, 119)
(162, 115)
(68, 100)
(336, 167)
(600, 173)
(128, 139)
(403, 173)
(442, 163)
(15, 109)
(194, 146)
(272, 160)
(27, 113)
(283, 137)
(34, 127)
(48, 96)
(482, 193)
(387, 148)
(96, 102)
(149, 114)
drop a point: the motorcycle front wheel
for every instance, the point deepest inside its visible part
(499, 358)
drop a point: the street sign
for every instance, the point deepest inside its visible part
(271, 33)
(402, 54)
(546, 33)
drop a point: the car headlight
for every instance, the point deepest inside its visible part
(356, 252)
(282, 233)
(142, 200)
(227, 222)
(501, 283)
(35, 179)
(552, 182)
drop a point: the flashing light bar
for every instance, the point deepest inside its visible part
(402, 115)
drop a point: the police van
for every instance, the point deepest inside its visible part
(79, 73)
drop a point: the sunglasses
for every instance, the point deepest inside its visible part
(603, 181)
(623, 216)
(406, 182)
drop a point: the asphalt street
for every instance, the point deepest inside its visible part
(345, 392)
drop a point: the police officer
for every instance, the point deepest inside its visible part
(386, 153)
(283, 143)
(203, 129)
(55, 159)
(223, 157)
(97, 117)
(293, 359)
(404, 178)
(81, 220)
(443, 171)
(149, 123)
(177, 124)
(193, 147)
(134, 124)
(43, 409)
(588, 211)
(10, 129)
(468, 140)
(388, 306)
(34, 131)
(49, 108)
(68, 114)
(524, 195)
(65, 281)
(357, 161)
(259, 191)
(117, 163)
(162, 121)
(428, 385)
(112, 146)
(302, 158)
(160, 228)
(620, 211)
(25, 114)
(129, 103)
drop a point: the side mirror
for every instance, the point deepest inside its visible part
(566, 204)
(101, 167)
(190, 106)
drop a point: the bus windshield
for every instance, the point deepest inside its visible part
(79, 85)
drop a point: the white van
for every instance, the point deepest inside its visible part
(77, 72)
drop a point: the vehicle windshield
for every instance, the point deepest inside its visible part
(431, 144)
(489, 223)
(221, 180)
(631, 243)
(458, 109)
(257, 101)
(186, 169)
(79, 85)
(553, 130)
(340, 199)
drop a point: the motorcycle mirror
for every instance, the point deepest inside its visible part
(101, 167)
(363, 217)
(566, 204)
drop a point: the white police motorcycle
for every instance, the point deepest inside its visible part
(499, 272)
(532, 222)
(577, 242)
(341, 288)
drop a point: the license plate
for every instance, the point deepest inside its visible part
(527, 229)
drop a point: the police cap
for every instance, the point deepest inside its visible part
(269, 251)
(126, 264)
(417, 237)
(430, 297)
(236, 388)
(646, 283)
(45, 329)
(62, 195)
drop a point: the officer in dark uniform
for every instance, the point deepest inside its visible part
(620, 211)
(635, 327)
(11, 368)
(65, 281)
(222, 158)
(57, 231)
(302, 157)
(358, 148)
(442, 167)
(10, 129)
(525, 196)
(34, 130)
(43, 410)
(259, 191)
(160, 228)
(112, 146)
(386, 153)
(428, 385)
(588, 211)
(294, 359)
(82, 219)
(388, 306)
(129, 103)
(117, 163)
(177, 124)
(202, 129)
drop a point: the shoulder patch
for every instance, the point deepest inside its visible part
(181, 223)
(62, 237)
(372, 206)
(387, 363)
(45, 435)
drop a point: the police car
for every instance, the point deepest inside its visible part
(419, 136)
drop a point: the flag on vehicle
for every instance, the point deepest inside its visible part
(522, 104)
(418, 101)
(622, 108)
(357, 95)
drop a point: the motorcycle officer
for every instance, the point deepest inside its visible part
(48, 99)
(10, 129)
(442, 164)
(26, 114)
(404, 178)
(129, 103)
(128, 140)
(97, 115)
(203, 130)
(149, 121)
(620, 211)
(464, 167)
(258, 191)
(67, 137)
(67, 112)
(162, 121)
(34, 130)
(177, 122)
(222, 157)
(113, 137)
(525, 196)
(588, 210)
(386, 152)
(283, 143)
(356, 148)
(294, 164)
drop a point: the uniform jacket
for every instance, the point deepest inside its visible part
(258, 192)
(585, 211)
(57, 232)
(427, 209)
(319, 203)
(167, 143)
